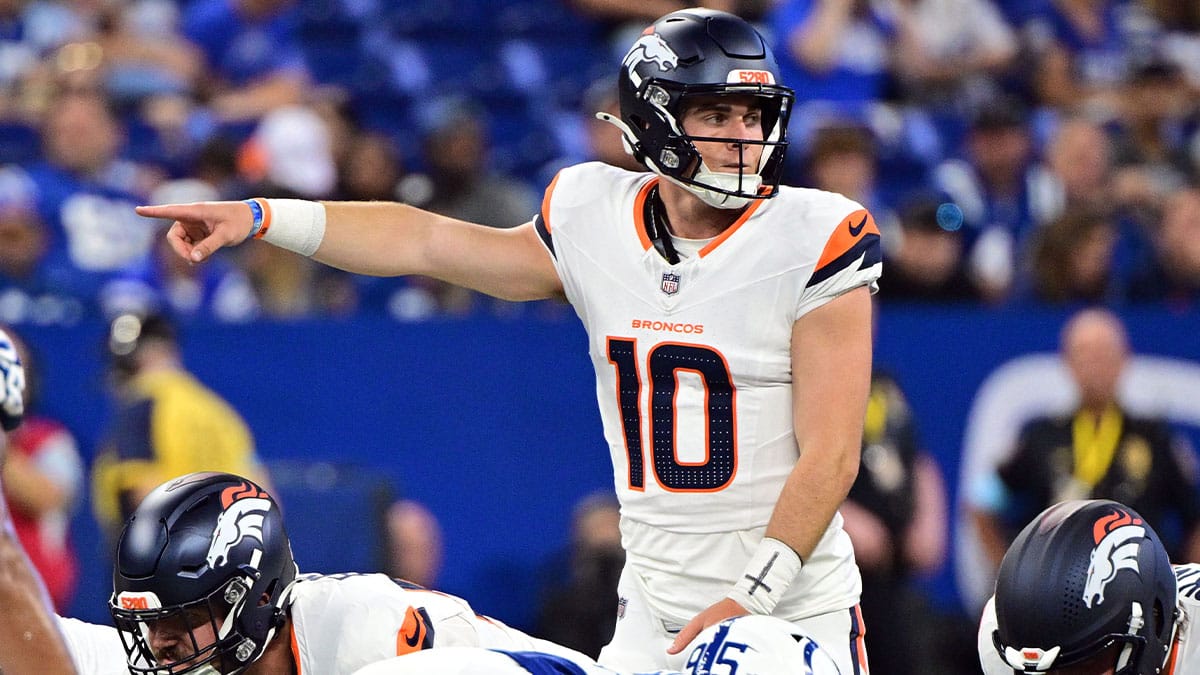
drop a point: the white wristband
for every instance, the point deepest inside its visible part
(294, 224)
(768, 575)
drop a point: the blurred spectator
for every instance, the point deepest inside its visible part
(1084, 51)
(28, 292)
(253, 55)
(1150, 152)
(43, 477)
(291, 149)
(1097, 451)
(30, 30)
(459, 183)
(604, 141)
(951, 54)
(924, 255)
(289, 287)
(1076, 171)
(993, 186)
(579, 608)
(1071, 259)
(167, 422)
(1171, 274)
(834, 52)
(414, 544)
(370, 170)
(86, 196)
(1179, 43)
(896, 516)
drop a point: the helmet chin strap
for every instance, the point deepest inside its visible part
(731, 182)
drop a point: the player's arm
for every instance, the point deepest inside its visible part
(375, 238)
(831, 373)
(29, 639)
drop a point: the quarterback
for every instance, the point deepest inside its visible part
(728, 321)
(1086, 589)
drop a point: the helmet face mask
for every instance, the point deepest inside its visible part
(693, 53)
(194, 630)
(203, 572)
(1086, 580)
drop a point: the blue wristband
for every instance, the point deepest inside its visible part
(257, 212)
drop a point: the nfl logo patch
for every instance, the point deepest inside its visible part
(622, 603)
(670, 283)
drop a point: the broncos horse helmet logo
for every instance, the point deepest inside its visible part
(653, 48)
(245, 508)
(1118, 538)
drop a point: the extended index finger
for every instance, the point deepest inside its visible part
(172, 211)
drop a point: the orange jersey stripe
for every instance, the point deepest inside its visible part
(546, 201)
(295, 649)
(860, 642)
(849, 232)
(732, 228)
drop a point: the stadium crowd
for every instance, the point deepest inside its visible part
(1038, 151)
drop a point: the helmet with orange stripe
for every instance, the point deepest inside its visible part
(203, 571)
(1087, 582)
(701, 52)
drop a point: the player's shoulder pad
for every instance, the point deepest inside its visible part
(1187, 579)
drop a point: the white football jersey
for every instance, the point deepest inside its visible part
(693, 359)
(95, 649)
(1185, 652)
(343, 622)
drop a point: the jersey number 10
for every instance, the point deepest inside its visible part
(663, 363)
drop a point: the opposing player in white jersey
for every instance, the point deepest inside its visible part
(729, 324)
(761, 645)
(1086, 589)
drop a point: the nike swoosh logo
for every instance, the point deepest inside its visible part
(414, 639)
(855, 229)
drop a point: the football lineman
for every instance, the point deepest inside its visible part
(1086, 589)
(204, 576)
(729, 326)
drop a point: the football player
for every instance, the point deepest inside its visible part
(749, 644)
(729, 326)
(1086, 589)
(204, 581)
